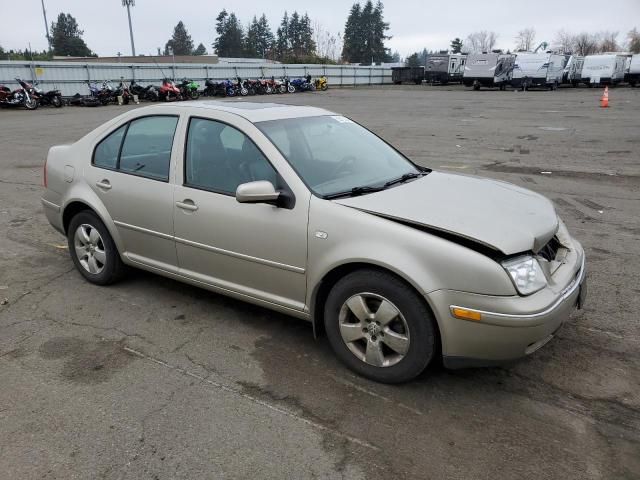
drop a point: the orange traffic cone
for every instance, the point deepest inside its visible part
(604, 100)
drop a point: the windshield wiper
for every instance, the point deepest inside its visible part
(355, 191)
(404, 178)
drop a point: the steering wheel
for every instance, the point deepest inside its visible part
(343, 165)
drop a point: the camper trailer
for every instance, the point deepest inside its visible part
(538, 70)
(607, 69)
(488, 70)
(633, 74)
(444, 68)
(574, 70)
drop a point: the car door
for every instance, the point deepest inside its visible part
(130, 172)
(258, 250)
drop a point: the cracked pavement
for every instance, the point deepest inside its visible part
(153, 379)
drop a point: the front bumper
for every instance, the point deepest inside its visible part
(510, 327)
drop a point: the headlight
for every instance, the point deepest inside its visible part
(526, 274)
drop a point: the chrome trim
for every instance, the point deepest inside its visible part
(49, 204)
(566, 293)
(242, 256)
(143, 230)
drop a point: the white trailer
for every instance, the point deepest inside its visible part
(538, 70)
(488, 70)
(633, 74)
(607, 69)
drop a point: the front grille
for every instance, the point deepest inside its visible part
(550, 250)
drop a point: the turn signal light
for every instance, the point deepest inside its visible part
(465, 314)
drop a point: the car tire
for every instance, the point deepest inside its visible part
(92, 249)
(411, 331)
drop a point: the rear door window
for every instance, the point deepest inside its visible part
(146, 150)
(106, 153)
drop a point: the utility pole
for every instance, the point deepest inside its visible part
(46, 24)
(128, 4)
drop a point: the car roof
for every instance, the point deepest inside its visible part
(255, 111)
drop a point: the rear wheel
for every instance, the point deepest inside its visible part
(379, 327)
(92, 249)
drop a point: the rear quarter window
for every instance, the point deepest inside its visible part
(106, 153)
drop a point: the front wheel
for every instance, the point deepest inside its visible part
(291, 89)
(379, 327)
(92, 249)
(194, 95)
(31, 103)
(324, 87)
(56, 101)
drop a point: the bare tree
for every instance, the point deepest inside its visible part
(482, 41)
(586, 43)
(565, 41)
(634, 41)
(609, 42)
(328, 45)
(525, 39)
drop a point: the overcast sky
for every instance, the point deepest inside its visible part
(415, 24)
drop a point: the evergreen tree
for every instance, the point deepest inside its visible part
(200, 50)
(180, 42)
(66, 37)
(413, 60)
(306, 37)
(259, 40)
(365, 34)
(230, 36)
(283, 48)
(456, 45)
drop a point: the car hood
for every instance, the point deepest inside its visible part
(496, 214)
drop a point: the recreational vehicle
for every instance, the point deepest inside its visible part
(574, 70)
(605, 69)
(633, 74)
(444, 68)
(538, 70)
(488, 70)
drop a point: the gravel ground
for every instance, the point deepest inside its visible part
(152, 379)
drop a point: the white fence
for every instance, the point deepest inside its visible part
(72, 77)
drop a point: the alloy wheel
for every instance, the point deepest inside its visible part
(374, 329)
(89, 248)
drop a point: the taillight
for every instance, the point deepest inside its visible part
(44, 177)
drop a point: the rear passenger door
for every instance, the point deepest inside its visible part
(130, 173)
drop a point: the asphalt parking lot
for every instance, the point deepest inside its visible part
(153, 379)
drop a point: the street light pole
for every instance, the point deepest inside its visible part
(46, 24)
(128, 4)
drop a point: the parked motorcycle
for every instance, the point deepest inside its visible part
(287, 83)
(322, 83)
(168, 91)
(103, 94)
(24, 96)
(149, 92)
(189, 89)
(210, 88)
(52, 97)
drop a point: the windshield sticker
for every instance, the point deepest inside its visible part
(341, 119)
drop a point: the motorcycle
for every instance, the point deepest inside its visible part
(52, 97)
(322, 83)
(145, 93)
(210, 88)
(189, 89)
(241, 87)
(103, 95)
(168, 91)
(20, 97)
(287, 85)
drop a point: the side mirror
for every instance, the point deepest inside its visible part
(261, 191)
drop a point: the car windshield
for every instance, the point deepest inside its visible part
(334, 155)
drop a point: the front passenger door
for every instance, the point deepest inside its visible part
(257, 250)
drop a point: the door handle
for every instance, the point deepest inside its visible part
(104, 184)
(187, 205)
